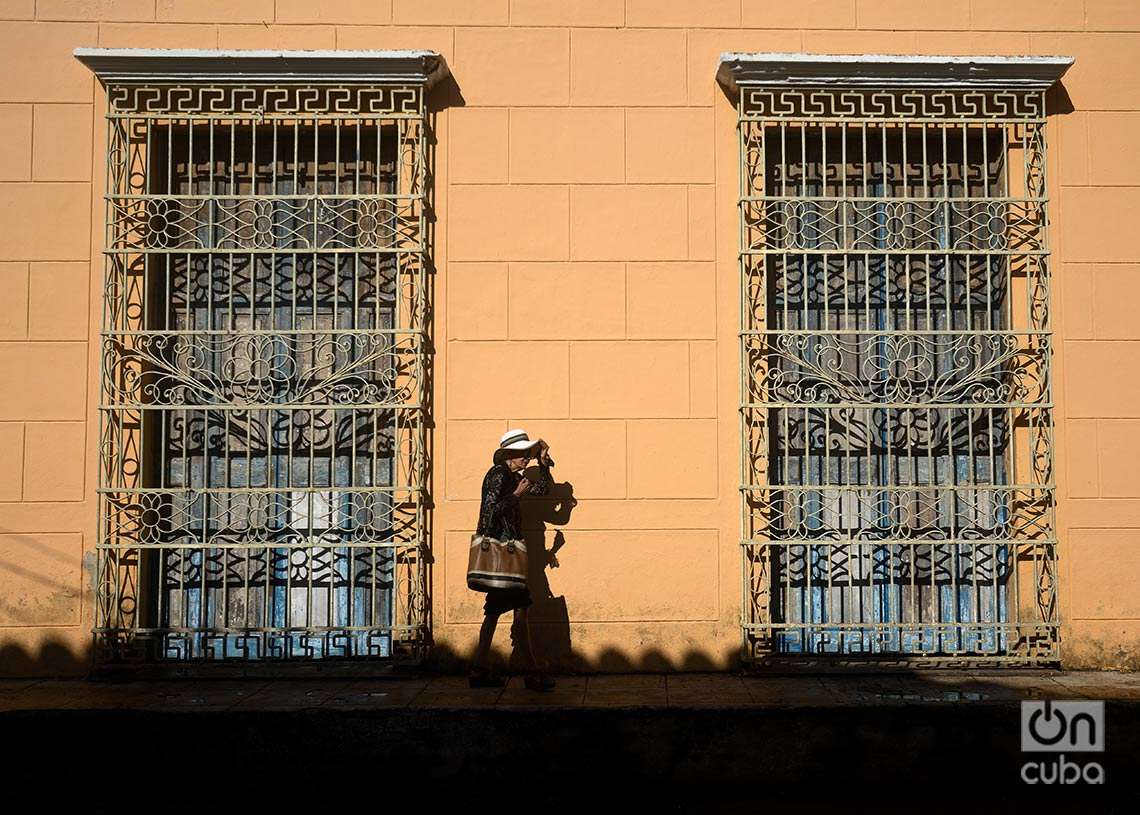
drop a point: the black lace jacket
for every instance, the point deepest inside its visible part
(499, 514)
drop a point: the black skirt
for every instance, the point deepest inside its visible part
(500, 601)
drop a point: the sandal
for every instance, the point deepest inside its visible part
(480, 677)
(536, 680)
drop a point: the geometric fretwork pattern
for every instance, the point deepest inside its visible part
(263, 361)
(896, 396)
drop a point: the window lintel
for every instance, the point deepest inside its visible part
(738, 70)
(181, 65)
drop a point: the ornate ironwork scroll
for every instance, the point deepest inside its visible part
(897, 494)
(262, 443)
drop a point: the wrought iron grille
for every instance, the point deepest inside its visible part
(262, 439)
(897, 499)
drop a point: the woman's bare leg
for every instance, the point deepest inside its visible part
(486, 634)
(522, 618)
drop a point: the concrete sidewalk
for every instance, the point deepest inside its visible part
(678, 690)
(929, 742)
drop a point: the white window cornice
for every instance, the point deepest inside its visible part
(182, 65)
(738, 70)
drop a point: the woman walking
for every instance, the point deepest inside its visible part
(500, 517)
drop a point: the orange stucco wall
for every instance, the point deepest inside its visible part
(586, 187)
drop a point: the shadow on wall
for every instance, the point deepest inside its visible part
(40, 588)
(549, 617)
(551, 614)
(53, 658)
(444, 659)
(551, 641)
(551, 636)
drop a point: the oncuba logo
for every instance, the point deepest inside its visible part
(1062, 727)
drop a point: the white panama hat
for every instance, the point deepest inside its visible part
(515, 439)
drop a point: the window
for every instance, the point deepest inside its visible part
(263, 460)
(896, 409)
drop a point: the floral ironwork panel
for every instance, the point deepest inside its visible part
(262, 460)
(896, 410)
